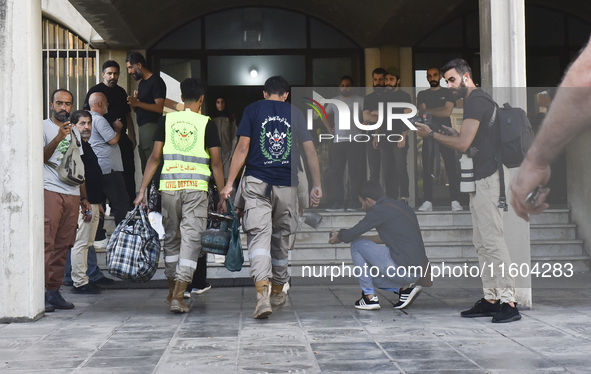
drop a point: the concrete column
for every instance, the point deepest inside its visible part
(502, 56)
(372, 61)
(21, 162)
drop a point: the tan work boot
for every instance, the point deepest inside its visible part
(177, 304)
(263, 308)
(170, 290)
(278, 297)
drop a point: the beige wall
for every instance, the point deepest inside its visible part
(578, 181)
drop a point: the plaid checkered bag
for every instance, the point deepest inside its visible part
(133, 249)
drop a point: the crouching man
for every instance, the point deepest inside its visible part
(189, 144)
(397, 251)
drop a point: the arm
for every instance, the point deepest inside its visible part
(84, 203)
(555, 134)
(151, 166)
(314, 167)
(52, 145)
(442, 111)
(370, 116)
(238, 159)
(217, 169)
(458, 141)
(131, 130)
(157, 107)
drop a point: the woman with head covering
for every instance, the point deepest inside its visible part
(226, 124)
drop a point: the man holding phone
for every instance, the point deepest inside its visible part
(62, 202)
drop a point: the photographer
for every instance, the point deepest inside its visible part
(395, 251)
(439, 102)
(487, 218)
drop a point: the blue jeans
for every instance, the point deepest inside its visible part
(93, 271)
(368, 255)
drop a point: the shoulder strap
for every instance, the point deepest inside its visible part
(499, 157)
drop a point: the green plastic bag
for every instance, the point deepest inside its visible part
(234, 257)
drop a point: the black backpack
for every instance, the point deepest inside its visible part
(514, 135)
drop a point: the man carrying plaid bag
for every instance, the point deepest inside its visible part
(188, 142)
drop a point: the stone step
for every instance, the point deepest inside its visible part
(442, 250)
(436, 218)
(447, 234)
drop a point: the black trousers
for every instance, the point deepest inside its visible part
(114, 190)
(127, 156)
(350, 155)
(430, 147)
(394, 169)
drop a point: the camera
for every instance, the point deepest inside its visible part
(424, 118)
(467, 182)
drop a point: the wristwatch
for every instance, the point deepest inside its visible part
(432, 134)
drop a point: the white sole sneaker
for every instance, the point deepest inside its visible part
(407, 298)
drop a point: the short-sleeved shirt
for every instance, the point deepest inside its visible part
(109, 155)
(147, 92)
(436, 99)
(397, 96)
(341, 135)
(51, 180)
(274, 128)
(117, 98)
(93, 175)
(479, 106)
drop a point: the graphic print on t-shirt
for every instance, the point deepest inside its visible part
(183, 136)
(275, 139)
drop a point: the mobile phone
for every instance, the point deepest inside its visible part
(533, 195)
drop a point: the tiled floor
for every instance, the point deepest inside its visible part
(318, 331)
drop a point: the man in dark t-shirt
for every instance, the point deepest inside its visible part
(147, 101)
(269, 132)
(189, 146)
(439, 102)
(119, 110)
(370, 115)
(479, 136)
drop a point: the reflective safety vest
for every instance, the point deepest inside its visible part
(186, 162)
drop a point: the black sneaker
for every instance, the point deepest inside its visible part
(482, 308)
(408, 296)
(68, 283)
(86, 289)
(507, 313)
(368, 304)
(48, 307)
(56, 299)
(104, 281)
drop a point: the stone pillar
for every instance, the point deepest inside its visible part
(21, 162)
(372, 61)
(502, 56)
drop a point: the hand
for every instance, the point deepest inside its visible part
(65, 130)
(528, 178)
(226, 191)
(222, 208)
(450, 131)
(117, 125)
(86, 214)
(334, 238)
(422, 130)
(85, 205)
(315, 196)
(140, 199)
(132, 101)
(402, 143)
(375, 142)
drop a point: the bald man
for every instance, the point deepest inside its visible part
(103, 141)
